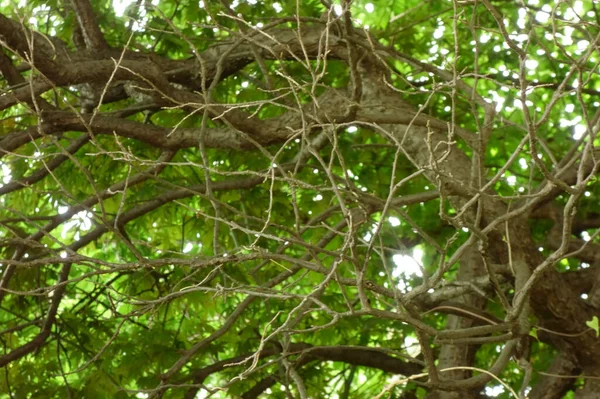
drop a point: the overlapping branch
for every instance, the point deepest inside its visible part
(303, 130)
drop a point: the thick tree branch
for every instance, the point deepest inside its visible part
(93, 37)
(40, 338)
(355, 355)
(48, 167)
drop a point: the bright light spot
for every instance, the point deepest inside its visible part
(521, 38)
(587, 193)
(412, 346)
(570, 14)
(394, 221)
(540, 249)
(369, 7)
(439, 32)
(82, 220)
(584, 296)
(485, 37)
(521, 21)
(6, 173)
(277, 7)
(465, 229)
(494, 391)
(585, 265)
(579, 131)
(583, 45)
(408, 265)
(566, 38)
(418, 254)
(498, 99)
(63, 254)
(317, 197)
(62, 209)
(245, 84)
(585, 236)
(352, 129)
(523, 163)
(511, 180)
(566, 122)
(337, 9)
(120, 5)
(316, 171)
(570, 107)
(531, 64)
(517, 103)
(188, 247)
(542, 17)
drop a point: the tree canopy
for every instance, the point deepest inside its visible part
(299, 199)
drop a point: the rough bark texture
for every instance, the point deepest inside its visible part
(497, 267)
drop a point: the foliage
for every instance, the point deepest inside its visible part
(299, 199)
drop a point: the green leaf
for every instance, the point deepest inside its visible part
(594, 325)
(533, 333)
